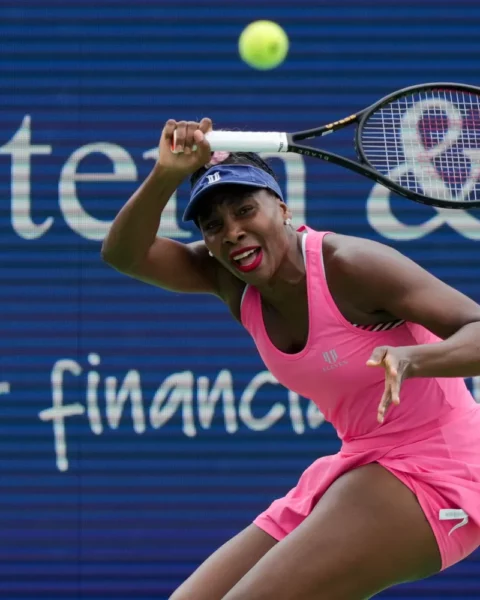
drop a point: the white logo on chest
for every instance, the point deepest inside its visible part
(331, 357)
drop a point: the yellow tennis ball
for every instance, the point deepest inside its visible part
(263, 45)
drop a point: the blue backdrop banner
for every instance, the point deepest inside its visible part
(139, 428)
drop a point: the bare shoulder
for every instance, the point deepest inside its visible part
(362, 274)
(345, 250)
(353, 268)
(379, 279)
(365, 261)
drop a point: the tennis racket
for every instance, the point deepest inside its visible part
(422, 142)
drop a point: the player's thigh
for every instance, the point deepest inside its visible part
(366, 534)
(225, 567)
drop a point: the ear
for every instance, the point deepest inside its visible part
(286, 212)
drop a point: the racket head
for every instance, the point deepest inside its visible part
(426, 139)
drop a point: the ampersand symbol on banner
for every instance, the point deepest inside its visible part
(420, 150)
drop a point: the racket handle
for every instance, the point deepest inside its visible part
(245, 141)
(248, 141)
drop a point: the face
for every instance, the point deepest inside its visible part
(245, 230)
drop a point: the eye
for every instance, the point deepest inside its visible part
(211, 225)
(245, 209)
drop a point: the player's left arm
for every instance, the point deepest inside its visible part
(388, 281)
(394, 283)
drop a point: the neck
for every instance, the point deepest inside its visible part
(289, 280)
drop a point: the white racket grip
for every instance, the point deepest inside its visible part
(244, 141)
(248, 141)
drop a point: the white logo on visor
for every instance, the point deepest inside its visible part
(213, 178)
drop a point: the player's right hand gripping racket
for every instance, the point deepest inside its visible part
(422, 142)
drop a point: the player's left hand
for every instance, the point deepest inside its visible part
(396, 362)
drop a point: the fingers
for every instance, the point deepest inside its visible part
(382, 409)
(391, 395)
(203, 147)
(184, 135)
(206, 125)
(385, 403)
(386, 357)
(395, 392)
(390, 366)
(180, 136)
(169, 128)
(191, 127)
(377, 356)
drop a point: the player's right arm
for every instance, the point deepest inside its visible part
(132, 246)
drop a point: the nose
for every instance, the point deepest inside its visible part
(233, 232)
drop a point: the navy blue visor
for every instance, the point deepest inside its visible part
(227, 175)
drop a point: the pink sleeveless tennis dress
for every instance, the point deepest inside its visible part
(431, 441)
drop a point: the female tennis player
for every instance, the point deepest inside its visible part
(379, 344)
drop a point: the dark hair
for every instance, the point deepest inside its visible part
(235, 158)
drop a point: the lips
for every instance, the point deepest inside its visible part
(242, 251)
(247, 259)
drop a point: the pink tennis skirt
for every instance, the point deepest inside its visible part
(441, 467)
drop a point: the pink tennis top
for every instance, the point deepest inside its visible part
(331, 371)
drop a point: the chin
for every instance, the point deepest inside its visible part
(262, 276)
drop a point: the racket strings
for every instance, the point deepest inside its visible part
(428, 142)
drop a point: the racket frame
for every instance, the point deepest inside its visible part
(364, 167)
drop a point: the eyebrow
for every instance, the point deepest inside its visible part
(203, 216)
